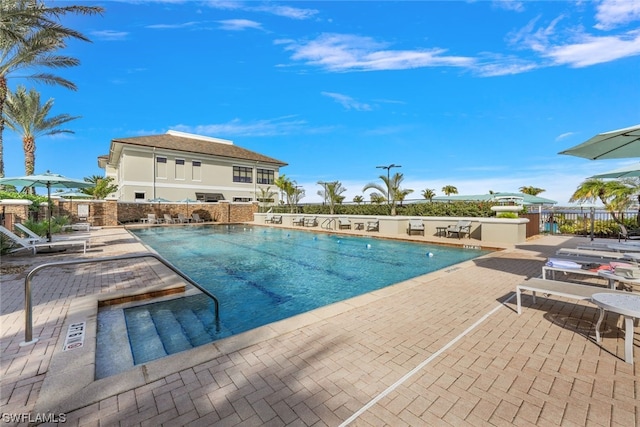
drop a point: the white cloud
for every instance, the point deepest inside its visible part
(347, 102)
(236, 127)
(173, 26)
(284, 11)
(515, 5)
(345, 52)
(239, 24)
(564, 135)
(591, 50)
(611, 13)
(110, 35)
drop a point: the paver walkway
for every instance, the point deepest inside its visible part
(447, 349)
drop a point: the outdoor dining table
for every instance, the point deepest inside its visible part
(625, 305)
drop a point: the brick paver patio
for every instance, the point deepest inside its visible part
(443, 349)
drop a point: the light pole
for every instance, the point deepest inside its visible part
(388, 168)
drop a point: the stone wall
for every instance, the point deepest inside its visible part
(113, 212)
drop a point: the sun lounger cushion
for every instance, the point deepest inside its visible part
(553, 262)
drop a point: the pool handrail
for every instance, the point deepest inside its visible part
(28, 328)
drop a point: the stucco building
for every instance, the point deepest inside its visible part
(177, 165)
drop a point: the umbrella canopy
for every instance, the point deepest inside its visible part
(616, 144)
(158, 200)
(74, 195)
(49, 180)
(623, 172)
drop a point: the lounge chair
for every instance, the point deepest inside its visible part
(311, 221)
(181, 219)
(277, 219)
(33, 237)
(196, 218)
(628, 235)
(373, 225)
(586, 253)
(168, 220)
(460, 228)
(344, 224)
(298, 220)
(150, 219)
(26, 244)
(268, 218)
(415, 225)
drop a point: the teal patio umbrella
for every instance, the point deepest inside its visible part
(623, 172)
(187, 201)
(48, 180)
(616, 144)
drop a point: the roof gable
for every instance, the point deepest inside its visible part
(189, 143)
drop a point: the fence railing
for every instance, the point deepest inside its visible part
(572, 221)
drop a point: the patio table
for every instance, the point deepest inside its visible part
(625, 305)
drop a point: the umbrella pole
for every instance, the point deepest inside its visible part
(49, 211)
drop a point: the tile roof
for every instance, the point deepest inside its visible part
(198, 146)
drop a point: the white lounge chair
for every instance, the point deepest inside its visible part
(311, 221)
(460, 228)
(196, 218)
(33, 237)
(26, 244)
(373, 225)
(168, 220)
(298, 220)
(415, 225)
(344, 223)
(181, 219)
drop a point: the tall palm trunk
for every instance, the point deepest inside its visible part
(29, 146)
(3, 97)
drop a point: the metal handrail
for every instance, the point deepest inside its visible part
(28, 328)
(326, 224)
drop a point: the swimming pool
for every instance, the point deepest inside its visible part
(263, 274)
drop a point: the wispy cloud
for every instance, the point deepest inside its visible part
(236, 127)
(284, 11)
(239, 25)
(174, 26)
(564, 136)
(347, 102)
(110, 35)
(591, 50)
(612, 13)
(346, 52)
(515, 5)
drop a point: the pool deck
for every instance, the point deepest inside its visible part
(446, 348)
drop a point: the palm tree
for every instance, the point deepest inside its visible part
(266, 197)
(614, 195)
(449, 190)
(334, 194)
(102, 186)
(30, 33)
(24, 114)
(282, 182)
(358, 199)
(532, 191)
(429, 194)
(390, 191)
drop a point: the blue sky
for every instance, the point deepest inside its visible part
(481, 95)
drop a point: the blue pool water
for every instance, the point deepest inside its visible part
(262, 274)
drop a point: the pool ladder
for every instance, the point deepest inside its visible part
(28, 308)
(328, 224)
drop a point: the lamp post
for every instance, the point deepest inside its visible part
(388, 168)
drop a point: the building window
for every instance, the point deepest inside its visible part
(265, 176)
(196, 175)
(241, 199)
(242, 174)
(179, 168)
(161, 167)
(138, 196)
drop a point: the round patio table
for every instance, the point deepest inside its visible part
(626, 305)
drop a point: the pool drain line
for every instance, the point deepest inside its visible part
(424, 363)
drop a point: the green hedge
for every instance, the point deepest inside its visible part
(460, 209)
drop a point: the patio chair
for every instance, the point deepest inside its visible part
(269, 217)
(33, 237)
(344, 224)
(277, 219)
(628, 235)
(196, 218)
(460, 228)
(298, 220)
(150, 219)
(373, 225)
(26, 244)
(168, 220)
(415, 225)
(311, 221)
